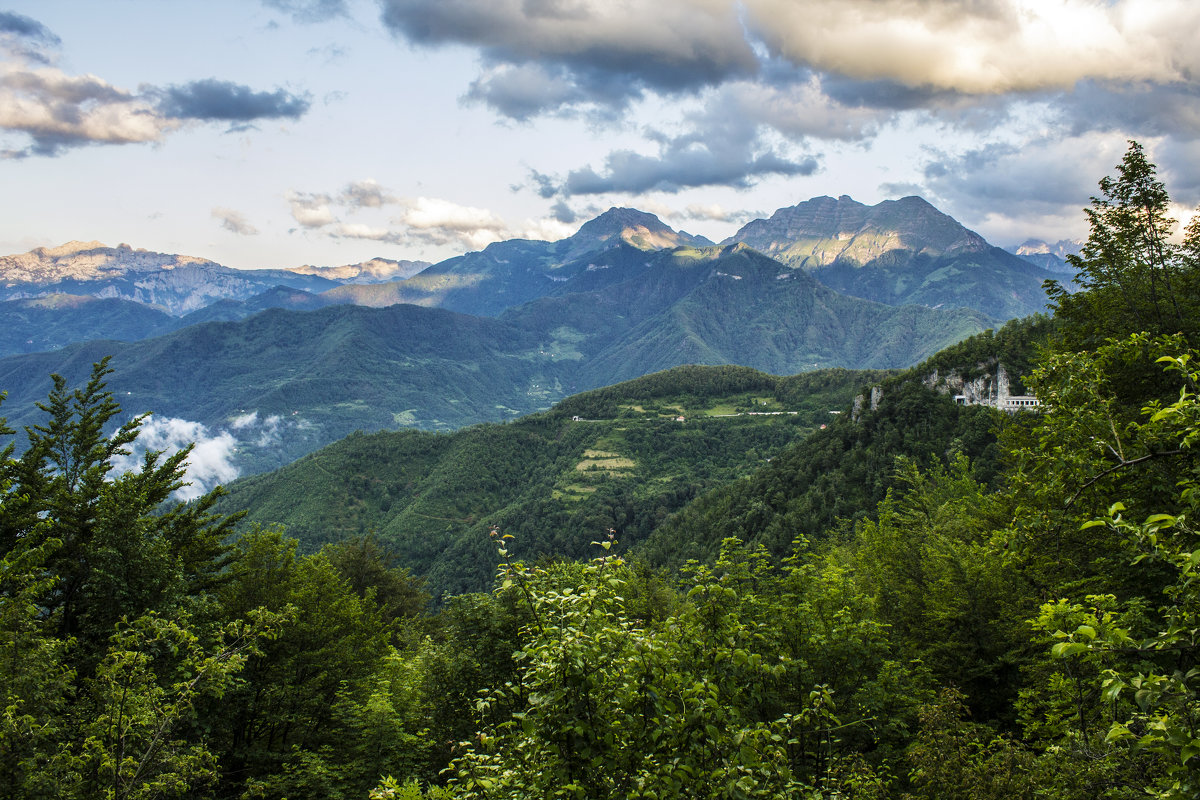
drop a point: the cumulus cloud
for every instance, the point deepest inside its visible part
(212, 99)
(262, 432)
(715, 213)
(56, 111)
(576, 49)
(359, 230)
(442, 222)
(208, 465)
(311, 210)
(822, 71)
(366, 194)
(984, 47)
(234, 221)
(50, 111)
(547, 230)
(413, 221)
(541, 54)
(720, 150)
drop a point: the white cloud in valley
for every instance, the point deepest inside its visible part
(209, 464)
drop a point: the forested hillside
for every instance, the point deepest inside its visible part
(928, 601)
(623, 458)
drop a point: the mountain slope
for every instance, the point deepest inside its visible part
(843, 472)
(898, 252)
(733, 305)
(614, 458)
(318, 375)
(57, 320)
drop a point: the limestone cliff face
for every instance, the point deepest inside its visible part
(989, 388)
(899, 252)
(88, 261)
(823, 230)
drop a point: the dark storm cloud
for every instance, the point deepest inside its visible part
(212, 99)
(605, 54)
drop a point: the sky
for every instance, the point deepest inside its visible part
(275, 133)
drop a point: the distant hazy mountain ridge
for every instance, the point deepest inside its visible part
(1051, 257)
(176, 284)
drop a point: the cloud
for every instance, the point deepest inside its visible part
(1171, 109)
(1036, 187)
(25, 39)
(526, 90)
(547, 230)
(310, 10)
(270, 433)
(443, 222)
(265, 432)
(58, 111)
(234, 221)
(212, 99)
(310, 210)
(609, 53)
(715, 213)
(414, 220)
(208, 465)
(563, 213)
(366, 194)
(358, 230)
(720, 150)
(26, 28)
(51, 111)
(983, 46)
(244, 421)
(817, 71)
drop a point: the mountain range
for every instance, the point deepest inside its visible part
(285, 361)
(173, 283)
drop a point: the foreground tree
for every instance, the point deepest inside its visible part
(1134, 277)
(106, 594)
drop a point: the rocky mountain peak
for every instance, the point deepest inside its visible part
(638, 228)
(849, 227)
(69, 249)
